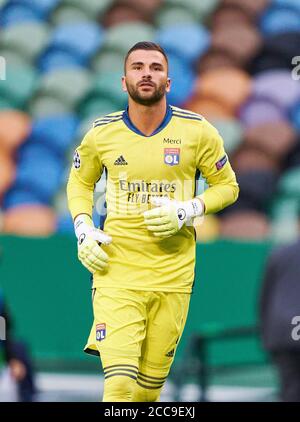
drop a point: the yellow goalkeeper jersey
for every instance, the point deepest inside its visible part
(166, 163)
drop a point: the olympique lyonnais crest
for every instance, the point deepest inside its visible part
(100, 332)
(172, 156)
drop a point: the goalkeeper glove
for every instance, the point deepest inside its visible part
(171, 215)
(90, 253)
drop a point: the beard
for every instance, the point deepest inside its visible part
(157, 95)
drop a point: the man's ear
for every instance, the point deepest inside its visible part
(124, 87)
(168, 85)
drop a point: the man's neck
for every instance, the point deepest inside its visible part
(147, 118)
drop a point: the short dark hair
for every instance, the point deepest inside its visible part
(146, 45)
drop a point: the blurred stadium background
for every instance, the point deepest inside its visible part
(231, 61)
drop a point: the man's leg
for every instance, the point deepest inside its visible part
(167, 313)
(117, 335)
(288, 366)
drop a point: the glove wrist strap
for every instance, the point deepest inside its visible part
(82, 224)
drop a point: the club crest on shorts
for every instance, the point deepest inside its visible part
(100, 332)
(171, 156)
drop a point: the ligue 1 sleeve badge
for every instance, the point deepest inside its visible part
(171, 156)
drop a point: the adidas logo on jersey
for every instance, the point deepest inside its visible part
(170, 354)
(120, 161)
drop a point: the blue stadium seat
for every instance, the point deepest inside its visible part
(174, 39)
(65, 224)
(42, 7)
(295, 4)
(12, 14)
(182, 78)
(55, 132)
(55, 59)
(19, 196)
(279, 20)
(295, 116)
(39, 170)
(20, 11)
(79, 39)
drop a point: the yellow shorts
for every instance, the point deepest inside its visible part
(142, 325)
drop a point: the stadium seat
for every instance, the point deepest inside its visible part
(215, 59)
(55, 132)
(108, 61)
(16, 196)
(226, 16)
(39, 170)
(229, 86)
(278, 20)
(294, 4)
(166, 16)
(92, 8)
(240, 41)
(278, 86)
(277, 52)
(108, 86)
(66, 85)
(65, 224)
(81, 40)
(275, 138)
(289, 184)
(121, 37)
(53, 60)
(15, 13)
(231, 131)
(15, 126)
(182, 87)
(253, 8)
(19, 85)
(259, 110)
(43, 7)
(29, 220)
(65, 14)
(201, 9)
(7, 171)
(295, 116)
(26, 40)
(245, 225)
(43, 106)
(210, 108)
(124, 14)
(99, 106)
(173, 40)
(247, 159)
(257, 188)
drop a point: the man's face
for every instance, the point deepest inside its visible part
(146, 78)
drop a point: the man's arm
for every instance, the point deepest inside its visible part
(213, 163)
(85, 172)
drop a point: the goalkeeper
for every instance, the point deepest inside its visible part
(143, 258)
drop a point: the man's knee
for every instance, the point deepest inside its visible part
(119, 388)
(142, 394)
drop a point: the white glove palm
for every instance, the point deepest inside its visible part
(90, 253)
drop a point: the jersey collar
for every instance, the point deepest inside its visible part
(163, 124)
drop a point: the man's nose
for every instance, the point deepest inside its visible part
(147, 74)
